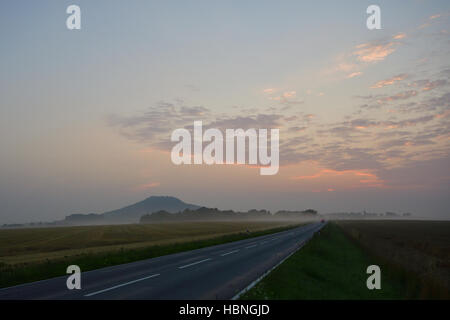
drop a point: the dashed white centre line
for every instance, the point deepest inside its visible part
(225, 254)
(194, 263)
(254, 245)
(121, 285)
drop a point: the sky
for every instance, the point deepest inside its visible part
(86, 115)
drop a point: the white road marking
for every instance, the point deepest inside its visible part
(254, 245)
(121, 285)
(225, 254)
(262, 242)
(251, 285)
(194, 263)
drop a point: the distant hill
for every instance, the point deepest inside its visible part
(132, 213)
(150, 205)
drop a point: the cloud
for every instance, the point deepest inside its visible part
(370, 106)
(154, 127)
(400, 96)
(147, 186)
(444, 114)
(289, 94)
(346, 179)
(440, 102)
(432, 20)
(430, 85)
(368, 97)
(264, 121)
(196, 111)
(296, 142)
(156, 121)
(399, 36)
(435, 16)
(352, 63)
(269, 90)
(310, 92)
(373, 52)
(424, 174)
(346, 66)
(287, 99)
(296, 129)
(354, 74)
(376, 101)
(284, 96)
(369, 144)
(390, 81)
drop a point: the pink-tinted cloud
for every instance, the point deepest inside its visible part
(354, 74)
(399, 96)
(399, 36)
(390, 81)
(269, 90)
(373, 52)
(430, 85)
(345, 179)
(435, 16)
(147, 185)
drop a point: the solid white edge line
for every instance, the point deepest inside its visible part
(253, 245)
(251, 285)
(120, 285)
(194, 263)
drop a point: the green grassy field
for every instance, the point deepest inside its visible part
(40, 253)
(333, 266)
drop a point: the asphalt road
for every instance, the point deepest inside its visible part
(216, 272)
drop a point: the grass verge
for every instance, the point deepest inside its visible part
(329, 266)
(27, 272)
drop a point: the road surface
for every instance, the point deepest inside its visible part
(216, 272)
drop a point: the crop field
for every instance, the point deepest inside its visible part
(34, 244)
(420, 249)
(31, 254)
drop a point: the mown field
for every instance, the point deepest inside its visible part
(32, 254)
(412, 256)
